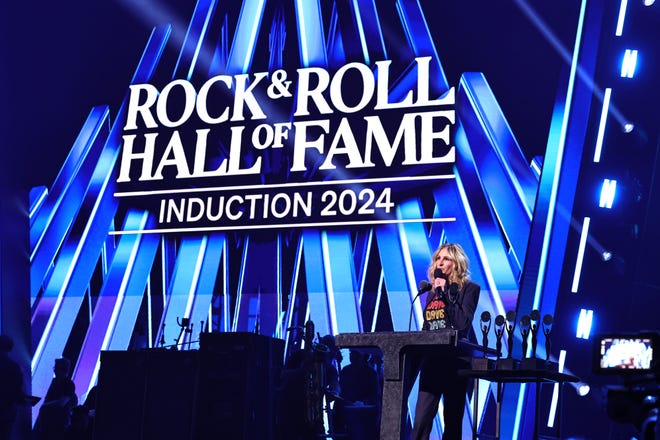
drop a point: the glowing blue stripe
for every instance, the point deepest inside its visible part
(379, 295)
(416, 250)
(194, 282)
(504, 173)
(204, 287)
(622, 18)
(419, 36)
(330, 288)
(245, 37)
(38, 196)
(55, 219)
(580, 256)
(291, 309)
(73, 272)
(196, 33)
(363, 40)
(317, 280)
(310, 33)
(519, 408)
(150, 58)
(483, 256)
(390, 252)
(182, 286)
(555, 391)
(555, 181)
(125, 284)
(602, 123)
(239, 288)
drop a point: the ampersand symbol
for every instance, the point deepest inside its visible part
(279, 87)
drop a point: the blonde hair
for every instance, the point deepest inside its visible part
(461, 273)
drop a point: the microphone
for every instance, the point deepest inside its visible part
(424, 286)
(437, 273)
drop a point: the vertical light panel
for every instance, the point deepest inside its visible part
(629, 63)
(580, 257)
(555, 392)
(607, 193)
(622, 18)
(310, 33)
(601, 125)
(242, 49)
(584, 324)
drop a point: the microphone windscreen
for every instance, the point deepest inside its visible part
(425, 286)
(437, 273)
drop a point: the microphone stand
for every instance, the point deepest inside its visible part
(423, 287)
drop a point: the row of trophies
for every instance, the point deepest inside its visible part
(529, 324)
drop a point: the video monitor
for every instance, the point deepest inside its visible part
(626, 353)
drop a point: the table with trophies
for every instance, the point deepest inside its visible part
(503, 370)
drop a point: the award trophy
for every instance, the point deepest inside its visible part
(525, 325)
(509, 363)
(547, 330)
(532, 362)
(483, 363)
(499, 331)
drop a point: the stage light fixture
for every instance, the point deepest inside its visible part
(628, 127)
(584, 324)
(629, 63)
(648, 2)
(606, 255)
(607, 193)
(582, 389)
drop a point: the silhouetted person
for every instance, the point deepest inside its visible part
(293, 397)
(55, 413)
(357, 410)
(308, 379)
(11, 388)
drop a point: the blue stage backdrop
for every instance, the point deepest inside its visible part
(272, 162)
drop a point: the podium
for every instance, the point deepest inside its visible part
(398, 348)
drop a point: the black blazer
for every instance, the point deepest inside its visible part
(461, 311)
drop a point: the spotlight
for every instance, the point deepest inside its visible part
(648, 2)
(628, 127)
(606, 255)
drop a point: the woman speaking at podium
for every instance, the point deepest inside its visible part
(451, 305)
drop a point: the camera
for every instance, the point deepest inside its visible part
(635, 359)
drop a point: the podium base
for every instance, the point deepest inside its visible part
(507, 364)
(483, 364)
(538, 364)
